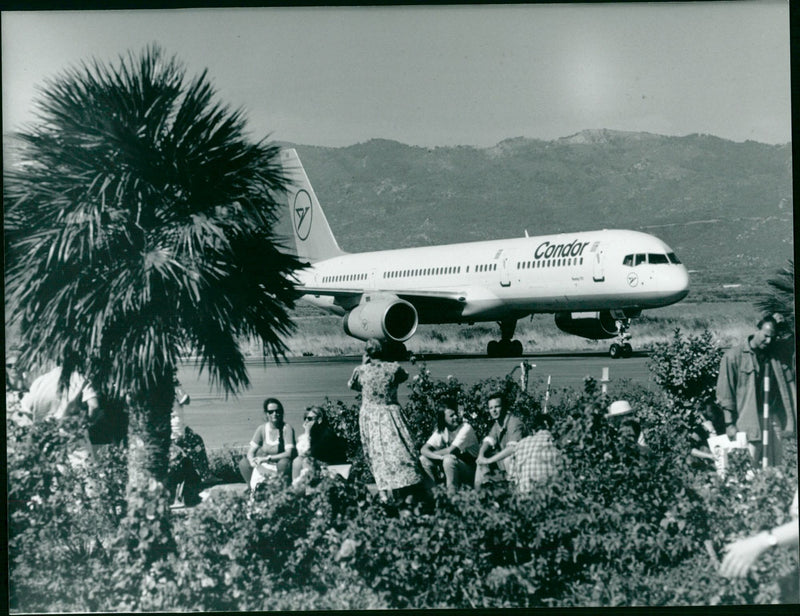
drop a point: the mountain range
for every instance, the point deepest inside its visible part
(724, 207)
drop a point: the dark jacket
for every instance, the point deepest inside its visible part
(327, 446)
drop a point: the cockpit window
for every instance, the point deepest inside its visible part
(657, 258)
(640, 259)
(673, 258)
(628, 260)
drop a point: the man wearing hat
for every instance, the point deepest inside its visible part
(622, 411)
(189, 468)
(619, 409)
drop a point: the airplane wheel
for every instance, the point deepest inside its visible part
(493, 348)
(615, 351)
(516, 348)
(627, 350)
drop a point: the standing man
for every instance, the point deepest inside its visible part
(740, 392)
(495, 457)
(63, 393)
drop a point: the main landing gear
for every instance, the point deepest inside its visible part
(621, 348)
(505, 347)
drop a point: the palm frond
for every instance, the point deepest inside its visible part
(139, 220)
(778, 297)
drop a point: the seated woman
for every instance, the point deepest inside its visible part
(271, 449)
(451, 449)
(189, 471)
(319, 443)
(711, 424)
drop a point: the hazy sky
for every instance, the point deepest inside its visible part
(446, 75)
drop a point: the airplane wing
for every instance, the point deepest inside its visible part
(331, 291)
(423, 301)
(455, 296)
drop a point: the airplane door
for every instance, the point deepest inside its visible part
(598, 273)
(505, 277)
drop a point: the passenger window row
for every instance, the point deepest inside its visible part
(488, 267)
(550, 263)
(428, 271)
(653, 258)
(344, 278)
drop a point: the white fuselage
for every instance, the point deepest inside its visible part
(511, 278)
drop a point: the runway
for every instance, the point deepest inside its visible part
(302, 382)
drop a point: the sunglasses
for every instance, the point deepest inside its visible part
(309, 418)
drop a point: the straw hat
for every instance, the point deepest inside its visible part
(619, 408)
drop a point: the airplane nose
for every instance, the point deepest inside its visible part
(677, 283)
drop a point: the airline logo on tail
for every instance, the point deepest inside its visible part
(303, 213)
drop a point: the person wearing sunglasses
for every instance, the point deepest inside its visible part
(271, 448)
(318, 443)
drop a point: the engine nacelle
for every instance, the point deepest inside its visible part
(385, 318)
(594, 325)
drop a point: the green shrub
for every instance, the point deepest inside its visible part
(617, 526)
(686, 368)
(62, 519)
(224, 463)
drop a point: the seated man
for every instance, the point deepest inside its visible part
(622, 414)
(536, 458)
(189, 470)
(451, 449)
(492, 462)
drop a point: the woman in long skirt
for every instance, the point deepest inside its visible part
(384, 434)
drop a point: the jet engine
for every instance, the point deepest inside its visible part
(594, 325)
(385, 318)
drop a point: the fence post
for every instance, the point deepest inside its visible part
(604, 381)
(765, 423)
(547, 393)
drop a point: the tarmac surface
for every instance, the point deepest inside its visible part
(305, 381)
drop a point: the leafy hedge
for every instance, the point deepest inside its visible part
(616, 527)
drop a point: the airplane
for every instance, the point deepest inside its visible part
(594, 282)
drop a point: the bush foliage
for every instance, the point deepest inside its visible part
(616, 527)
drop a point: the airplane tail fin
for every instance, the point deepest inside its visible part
(313, 237)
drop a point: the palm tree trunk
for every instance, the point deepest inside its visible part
(146, 530)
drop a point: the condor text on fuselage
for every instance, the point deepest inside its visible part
(594, 281)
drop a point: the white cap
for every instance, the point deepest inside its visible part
(181, 397)
(619, 408)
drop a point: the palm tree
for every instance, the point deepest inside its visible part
(139, 226)
(778, 298)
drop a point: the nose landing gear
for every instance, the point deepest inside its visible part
(621, 348)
